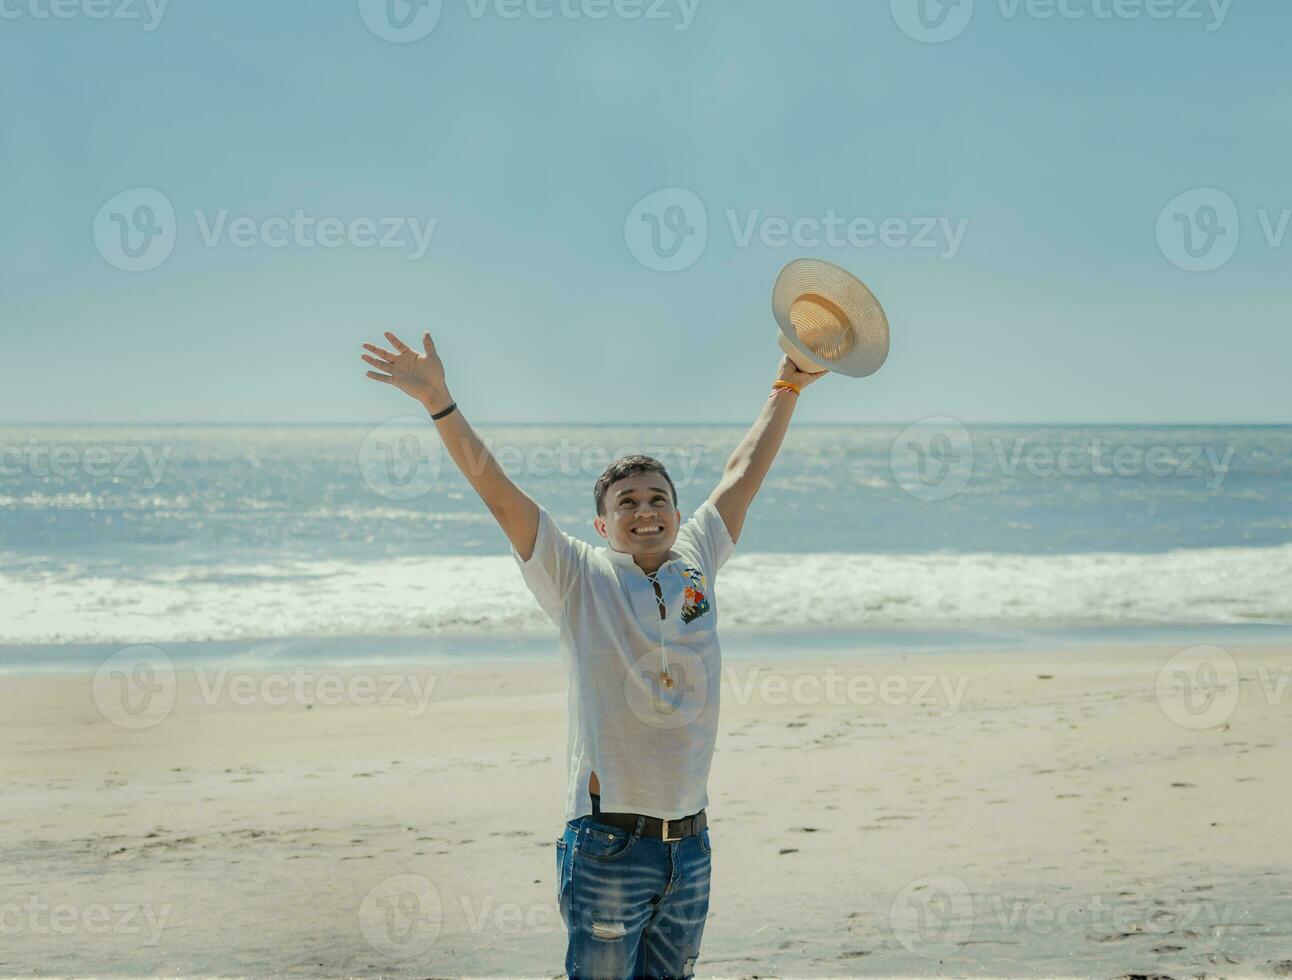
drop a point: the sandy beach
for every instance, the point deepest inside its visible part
(1014, 814)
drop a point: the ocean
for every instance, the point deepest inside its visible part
(265, 543)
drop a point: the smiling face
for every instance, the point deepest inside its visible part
(639, 518)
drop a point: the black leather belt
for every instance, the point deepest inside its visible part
(654, 827)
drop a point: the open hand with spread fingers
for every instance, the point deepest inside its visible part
(420, 375)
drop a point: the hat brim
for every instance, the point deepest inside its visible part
(869, 322)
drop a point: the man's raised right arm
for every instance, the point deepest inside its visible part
(421, 376)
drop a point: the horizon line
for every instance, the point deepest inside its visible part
(658, 424)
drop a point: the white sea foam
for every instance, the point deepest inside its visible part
(484, 595)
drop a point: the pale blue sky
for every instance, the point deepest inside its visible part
(529, 141)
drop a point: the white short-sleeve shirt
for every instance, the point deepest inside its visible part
(649, 744)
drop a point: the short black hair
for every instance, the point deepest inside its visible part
(626, 466)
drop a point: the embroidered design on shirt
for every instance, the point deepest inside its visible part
(694, 604)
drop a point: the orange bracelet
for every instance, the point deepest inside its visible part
(787, 384)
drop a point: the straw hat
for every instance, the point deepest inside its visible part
(829, 320)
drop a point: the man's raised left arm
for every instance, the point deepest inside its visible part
(751, 460)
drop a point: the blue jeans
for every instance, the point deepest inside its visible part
(633, 906)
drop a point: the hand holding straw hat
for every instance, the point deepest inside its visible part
(829, 320)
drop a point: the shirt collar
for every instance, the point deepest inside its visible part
(626, 562)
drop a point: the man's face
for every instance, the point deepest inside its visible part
(640, 518)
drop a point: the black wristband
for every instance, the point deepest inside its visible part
(439, 415)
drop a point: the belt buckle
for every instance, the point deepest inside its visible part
(666, 837)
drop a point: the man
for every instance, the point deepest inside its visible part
(638, 633)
